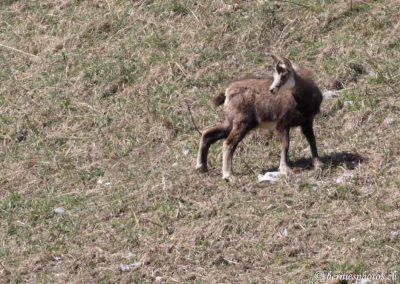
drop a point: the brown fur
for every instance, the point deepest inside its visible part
(249, 104)
(219, 99)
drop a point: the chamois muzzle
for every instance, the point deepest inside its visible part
(273, 90)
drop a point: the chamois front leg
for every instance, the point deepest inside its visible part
(209, 137)
(238, 132)
(307, 129)
(284, 138)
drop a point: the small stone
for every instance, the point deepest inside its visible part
(347, 103)
(124, 267)
(328, 94)
(269, 176)
(390, 119)
(344, 178)
(58, 46)
(59, 275)
(285, 232)
(102, 181)
(59, 210)
(130, 267)
(135, 265)
(395, 234)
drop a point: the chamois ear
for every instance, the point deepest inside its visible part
(288, 63)
(275, 58)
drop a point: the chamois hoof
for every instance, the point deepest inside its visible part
(318, 165)
(228, 177)
(201, 168)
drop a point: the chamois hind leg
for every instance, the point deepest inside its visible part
(284, 138)
(209, 137)
(307, 129)
(238, 132)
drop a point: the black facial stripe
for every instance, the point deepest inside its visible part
(279, 69)
(282, 80)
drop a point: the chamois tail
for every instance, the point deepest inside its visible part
(219, 99)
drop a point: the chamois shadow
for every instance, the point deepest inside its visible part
(333, 160)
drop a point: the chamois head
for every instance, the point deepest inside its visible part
(283, 73)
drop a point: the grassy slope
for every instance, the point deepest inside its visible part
(95, 121)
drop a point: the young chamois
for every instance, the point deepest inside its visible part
(288, 99)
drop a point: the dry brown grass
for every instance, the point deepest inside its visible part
(93, 119)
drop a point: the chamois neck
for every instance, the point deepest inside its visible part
(299, 85)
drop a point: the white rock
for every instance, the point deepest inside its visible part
(347, 103)
(186, 152)
(59, 210)
(344, 177)
(102, 181)
(285, 232)
(328, 94)
(269, 176)
(135, 265)
(57, 275)
(390, 119)
(130, 267)
(124, 267)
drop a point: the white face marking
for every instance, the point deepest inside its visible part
(277, 80)
(276, 84)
